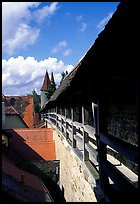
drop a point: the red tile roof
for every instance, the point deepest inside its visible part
(46, 82)
(28, 113)
(33, 144)
(23, 105)
(9, 168)
(11, 110)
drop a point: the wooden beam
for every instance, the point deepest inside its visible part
(101, 148)
(119, 179)
(91, 151)
(85, 138)
(65, 122)
(73, 129)
(61, 119)
(129, 151)
(93, 111)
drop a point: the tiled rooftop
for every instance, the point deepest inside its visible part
(24, 106)
(33, 144)
(22, 185)
(46, 82)
(29, 179)
(33, 134)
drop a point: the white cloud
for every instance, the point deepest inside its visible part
(17, 32)
(20, 76)
(67, 52)
(46, 11)
(24, 36)
(83, 27)
(104, 21)
(59, 46)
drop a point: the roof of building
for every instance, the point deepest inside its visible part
(33, 144)
(64, 85)
(22, 185)
(23, 105)
(99, 59)
(46, 82)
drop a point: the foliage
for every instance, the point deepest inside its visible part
(63, 74)
(50, 91)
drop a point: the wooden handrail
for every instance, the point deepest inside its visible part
(121, 146)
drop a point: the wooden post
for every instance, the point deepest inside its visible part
(93, 112)
(45, 122)
(61, 120)
(49, 116)
(73, 129)
(102, 152)
(85, 137)
(68, 114)
(66, 122)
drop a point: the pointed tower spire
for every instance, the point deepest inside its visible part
(52, 79)
(44, 89)
(46, 82)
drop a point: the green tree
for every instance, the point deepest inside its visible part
(51, 90)
(63, 74)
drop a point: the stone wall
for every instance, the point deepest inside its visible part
(75, 180)
(122, 118)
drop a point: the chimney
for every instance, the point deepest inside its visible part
(3, 115)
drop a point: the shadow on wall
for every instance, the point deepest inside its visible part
(59, 195)
(19, 146)
(113, 194)
(27, 159)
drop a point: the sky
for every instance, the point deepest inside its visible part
(52, 36)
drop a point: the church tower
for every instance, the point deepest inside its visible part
(44, 88)
(52, 79)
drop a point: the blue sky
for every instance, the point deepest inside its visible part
(52, 36)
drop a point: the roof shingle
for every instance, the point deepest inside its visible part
(22, 185)
(33, 144)
(24, 106)
(46, 83)
(29, 179)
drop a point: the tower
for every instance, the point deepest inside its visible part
(52, 79)
(44, 88)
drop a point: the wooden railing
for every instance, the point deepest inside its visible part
(100, 154)
(74, 133)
